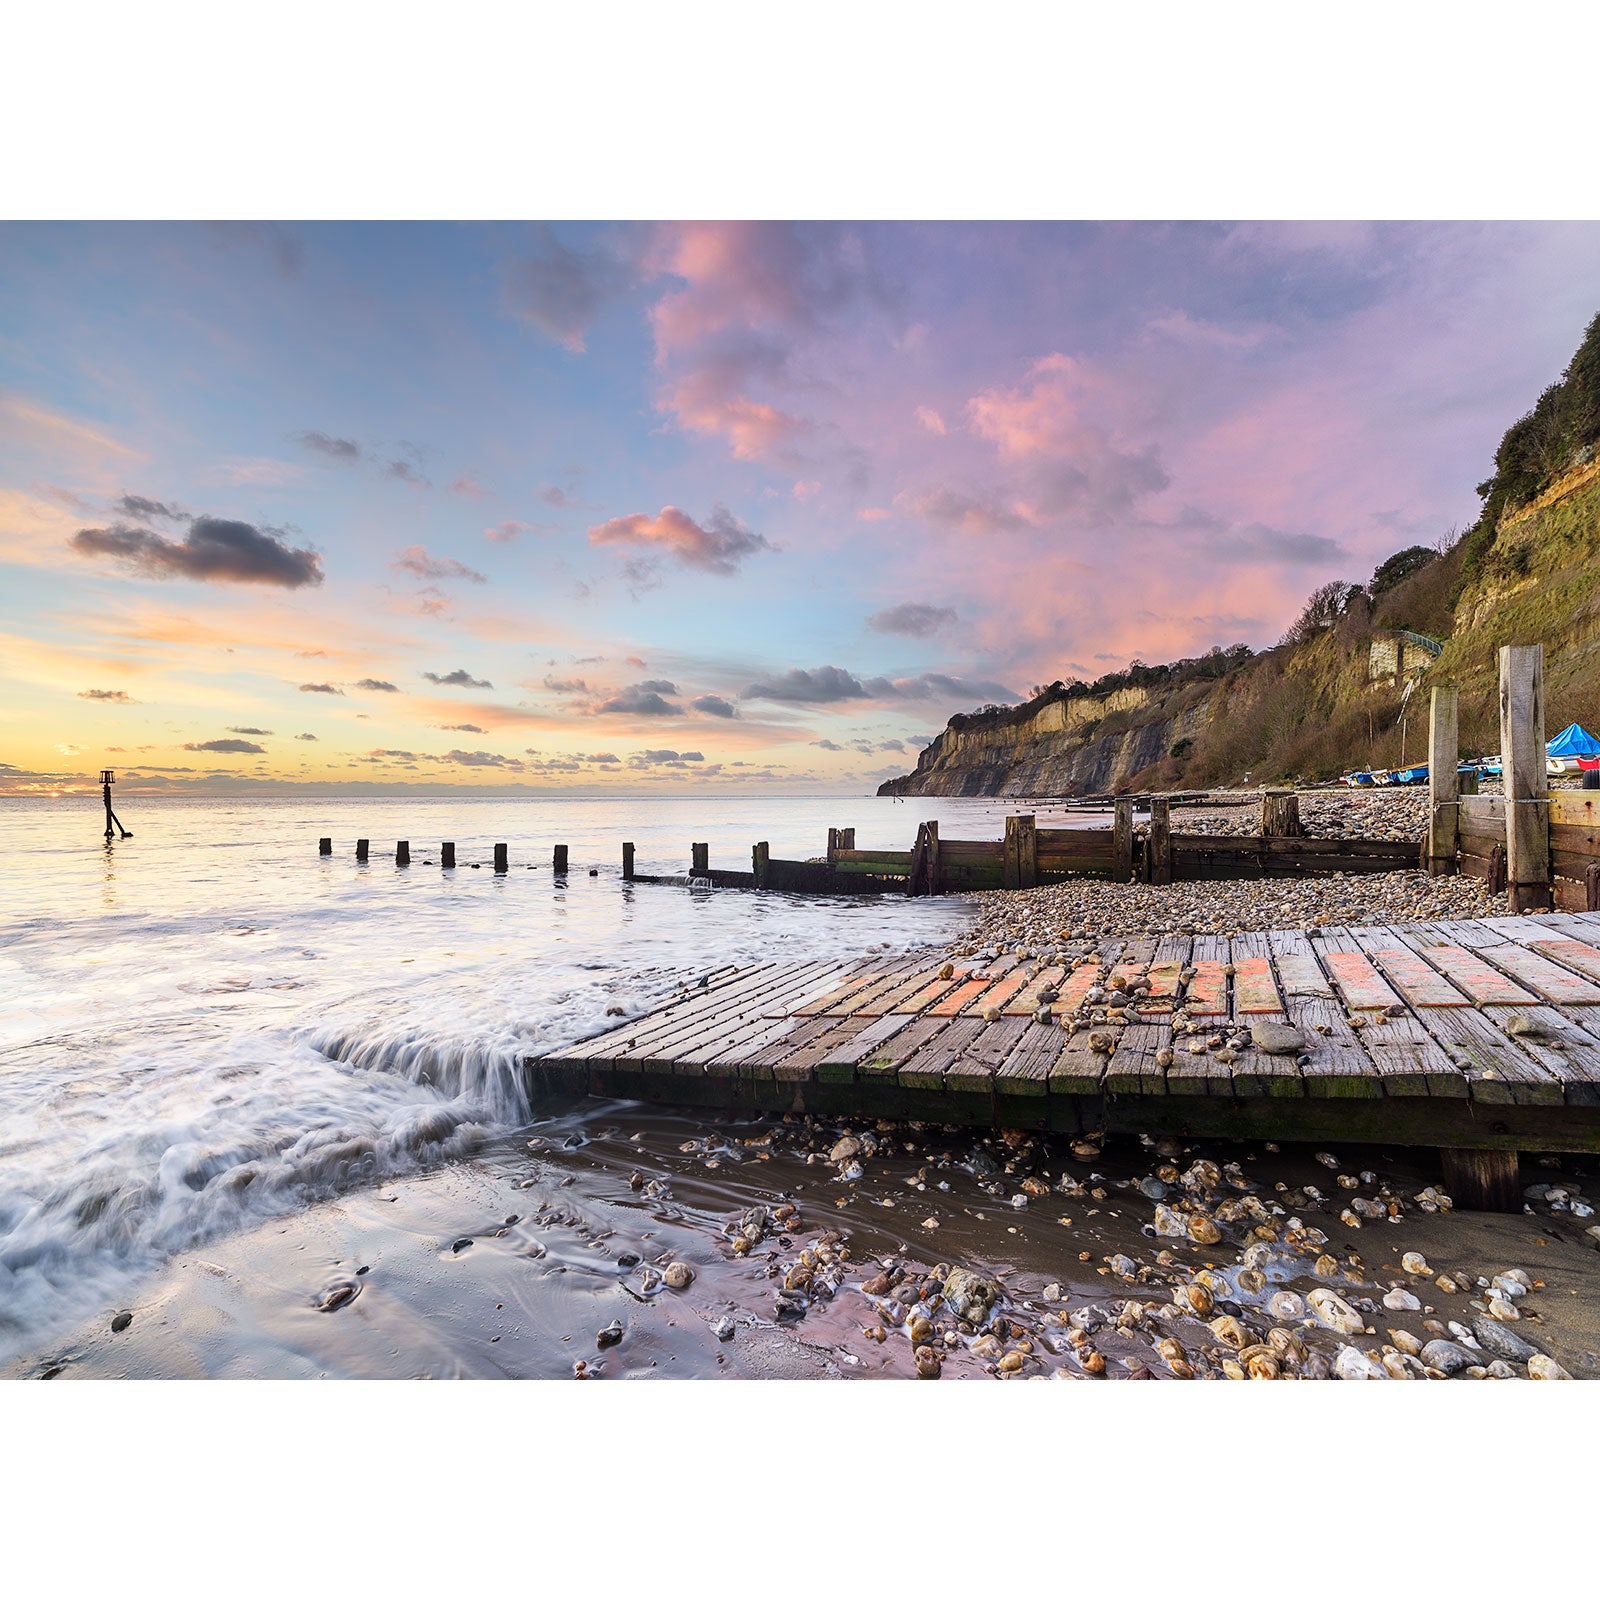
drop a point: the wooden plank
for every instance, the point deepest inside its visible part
(1077, 1069)
(726, 1036)
(1422, 984)
(1539, 973)
(973, 1070)
(1359, 983)
(1483, 984)
(933, 990)
(1206, 994)
(839, 1065)
(1337, 1065)
(658, 1016)
(1026, 1001)
(885, 1060)
(800, 1063)
(895, 997)
(1575, 954)
(1132, 1068)
(1026, 1070)
(926, 1068)
(1407, 1058)
(1255, 993)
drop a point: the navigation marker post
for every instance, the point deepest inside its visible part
(113, 821)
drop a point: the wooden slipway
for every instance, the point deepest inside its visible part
(1477, 1035)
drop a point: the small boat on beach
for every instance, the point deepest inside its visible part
(1571, 747)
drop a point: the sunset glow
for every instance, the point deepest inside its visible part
(750, 505)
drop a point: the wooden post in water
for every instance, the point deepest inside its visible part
(500, 862)
(1482, 1180)
(324, 847)
(447, 855)
(361, 849)
(847, 838)
(627, 863)
(558, 863)
(760, 855)
(1122, 839)
(1280, 814)
(1021, 869)
(1444, 799)
(935, 866)
(1526, 778)
(402, 853)
(1160, 856)
(833, 845)
(699, 860)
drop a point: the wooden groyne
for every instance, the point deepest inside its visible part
(1479, 1039)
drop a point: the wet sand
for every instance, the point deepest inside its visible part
(513, 1264)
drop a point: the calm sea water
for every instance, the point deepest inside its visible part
(208, 1024)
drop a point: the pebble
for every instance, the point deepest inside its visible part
(1449, 1358)
(1333, 1311)
(1352, 1363)
(1499, 1340)
(121, 1321)
(1401, 1300)
(1541, 1366)
(678, 1275)
(609, 1335)
(1413, 1262)
(723, 1328)
(1277, 1039)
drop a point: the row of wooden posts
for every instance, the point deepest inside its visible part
(447, 854)
(1540, 846)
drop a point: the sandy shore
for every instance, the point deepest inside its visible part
(817, 1249)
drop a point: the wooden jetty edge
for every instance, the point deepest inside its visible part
(1478, 1039)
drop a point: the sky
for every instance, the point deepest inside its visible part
(740, 506)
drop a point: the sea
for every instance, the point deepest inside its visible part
(208, 1024)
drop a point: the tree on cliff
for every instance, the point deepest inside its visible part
(1324, 608)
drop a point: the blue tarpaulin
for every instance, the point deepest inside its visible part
(1574, 741)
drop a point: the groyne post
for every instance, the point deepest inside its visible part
(558, 861)
(1482, 1180)
(833, 845)
(759, 857)
(627, 863)
(1526, 778)
(1160, 856)
(1444, 788)
(1280, 814)
(361, 849)
(1021, 853)
(500, 862)
(1122, 839)
(402, 853)
(699, 860)
(324, 847)
(447, 855)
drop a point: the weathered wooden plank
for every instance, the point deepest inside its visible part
(1336, 1065)
(839, 1065)
(676, 1005)
(1580, 957)
(1255, 992)
(926, 1068)
(799, 1065)
(1026, 1070)
(736, 1034)
(1483, 984)
(1078, 1069)
(885, 1061)
(1133, 1067)
(1361, 986)
(973, 1070)
(933, 990)
(1422, 984)
(1547, 979)
(1206, 993)
(1026, 1001)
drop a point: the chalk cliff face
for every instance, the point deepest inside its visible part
(1057, 751)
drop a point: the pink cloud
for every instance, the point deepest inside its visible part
(718, 545)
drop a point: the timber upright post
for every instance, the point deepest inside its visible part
(108, 777)
(501, 864)
(447, 855)
(699, 860)
(760, 855)
(324, 847)
(833, 845)
(1122, 839)
(1280, 814)
(361, 849)
(558, 861)
(847, 838)
(402, 853)
(627, 863)
(1160, 857)
(1021, 869)
(1444, 796)
(1526, 778)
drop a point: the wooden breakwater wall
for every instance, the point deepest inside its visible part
(1539, 846)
